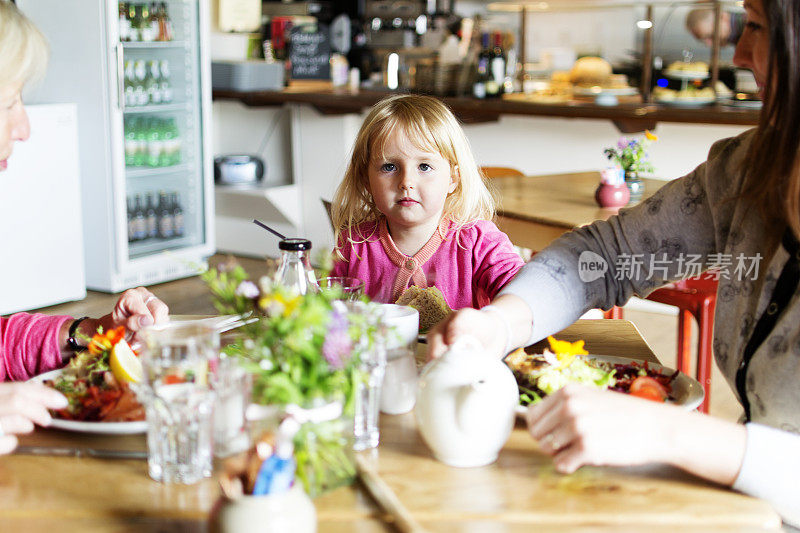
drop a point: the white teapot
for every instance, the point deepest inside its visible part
(466, 405)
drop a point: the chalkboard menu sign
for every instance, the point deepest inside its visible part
(310, 52)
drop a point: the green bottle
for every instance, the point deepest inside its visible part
(167, 138)
(131, 145)
(140, 135)
(154, 143)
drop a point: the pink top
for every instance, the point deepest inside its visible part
(29, 345)
(469, 266)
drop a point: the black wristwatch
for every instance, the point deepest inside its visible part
(72, 342)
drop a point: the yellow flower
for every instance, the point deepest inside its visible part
(289, 305)
(566, 351)
(650, 136)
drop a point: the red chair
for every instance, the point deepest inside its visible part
(694, 297)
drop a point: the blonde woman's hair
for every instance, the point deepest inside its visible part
(23, 48)
(429, 125)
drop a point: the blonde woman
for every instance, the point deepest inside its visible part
(743, 205)
(32, 344)
(413, 209)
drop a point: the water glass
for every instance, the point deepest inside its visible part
(372, 364)
(352, 288)
(233, 385)
(368, 397)
(399, 391)
(177, 391)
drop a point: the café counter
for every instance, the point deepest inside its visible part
(629, 117)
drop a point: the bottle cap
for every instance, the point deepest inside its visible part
(294, 245)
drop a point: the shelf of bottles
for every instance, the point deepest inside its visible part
(161, 121)
(155, 224)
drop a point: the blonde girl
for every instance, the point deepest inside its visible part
(413, 209)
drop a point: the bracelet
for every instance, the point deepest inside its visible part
(506, 323)
(72, 342)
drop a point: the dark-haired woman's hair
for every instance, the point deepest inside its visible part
(773, 166)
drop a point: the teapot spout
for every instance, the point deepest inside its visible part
(473, 405)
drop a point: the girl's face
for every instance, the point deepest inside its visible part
(14, 124)
(752, 50)
(409, 185)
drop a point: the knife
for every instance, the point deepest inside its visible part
(65, 451)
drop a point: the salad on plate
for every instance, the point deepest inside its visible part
(97, 381)
(567, 362)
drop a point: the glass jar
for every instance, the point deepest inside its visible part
(295, 271)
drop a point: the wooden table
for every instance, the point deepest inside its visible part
(535, 210)
(521, 492)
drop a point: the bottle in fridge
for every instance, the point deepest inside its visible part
(139, 73)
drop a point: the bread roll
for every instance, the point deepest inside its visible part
(429, 302)
(590, 71)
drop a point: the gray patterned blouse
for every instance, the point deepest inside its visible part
(691, 224)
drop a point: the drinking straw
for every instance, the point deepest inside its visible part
(259, 223)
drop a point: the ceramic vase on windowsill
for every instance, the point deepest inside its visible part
(635, 186)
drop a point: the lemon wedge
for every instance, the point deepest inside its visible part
(124, 364)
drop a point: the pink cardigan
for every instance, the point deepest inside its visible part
(29, 345)
(469, 266)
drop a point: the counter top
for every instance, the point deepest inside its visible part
(629, 117)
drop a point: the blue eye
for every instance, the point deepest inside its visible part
(425, 167)
(387, 167)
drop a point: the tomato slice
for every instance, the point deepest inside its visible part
(648, 388)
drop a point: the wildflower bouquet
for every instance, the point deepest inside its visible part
(631, 154)
(303, 352)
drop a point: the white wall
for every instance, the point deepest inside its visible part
(316, 157)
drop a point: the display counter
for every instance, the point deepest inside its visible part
(629, 117)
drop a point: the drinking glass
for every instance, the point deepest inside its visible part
(352, 288)
(233, 386)
(399, 391)
(178, 361)
(372, 365)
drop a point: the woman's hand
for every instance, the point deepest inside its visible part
(21, 406)
(485, 327)
(136, 309)
(501, 327)
(580, 425)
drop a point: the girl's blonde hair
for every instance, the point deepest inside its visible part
(429, 125)
(23, 48)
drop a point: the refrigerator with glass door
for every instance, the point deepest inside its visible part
(139, 73)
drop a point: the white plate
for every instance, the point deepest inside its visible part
(686, 390)
(687, 102)
(104, 428)
(686, 74)
(748, 104)
(594, 91)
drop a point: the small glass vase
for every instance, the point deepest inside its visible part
(324, 455)
(635, 186)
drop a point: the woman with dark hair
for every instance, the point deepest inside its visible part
(741, 208)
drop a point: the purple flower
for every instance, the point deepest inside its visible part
(248, 289)
(622, 143)
(337, 346)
